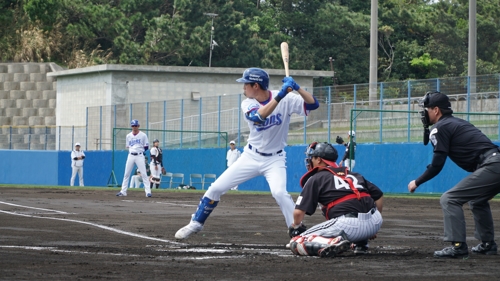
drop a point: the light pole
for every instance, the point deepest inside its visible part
(331, 66)
(212, 15)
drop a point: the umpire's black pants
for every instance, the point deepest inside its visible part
(477, 189)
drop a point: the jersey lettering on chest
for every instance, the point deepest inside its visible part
(272, 120)
(134, 141)
(343, 184)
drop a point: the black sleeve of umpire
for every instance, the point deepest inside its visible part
(433, 169)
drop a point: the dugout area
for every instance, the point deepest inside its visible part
(89, 233)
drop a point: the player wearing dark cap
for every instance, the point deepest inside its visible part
(472, 151)
(350, 203)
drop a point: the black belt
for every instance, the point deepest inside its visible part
(487, 154)
(264, 154)
(133, 153)
(355, 215)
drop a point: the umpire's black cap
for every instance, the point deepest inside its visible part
(433, 99)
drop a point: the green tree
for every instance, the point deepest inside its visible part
(427, 67)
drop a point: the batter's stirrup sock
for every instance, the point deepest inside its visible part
(204, 210)
(157, 185)
(150, 185)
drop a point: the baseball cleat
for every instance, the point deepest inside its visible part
(485, 248)
(186, 231)
(360, 250)
(148, 195)
(333, 250)
(121, 194)
(457, 250)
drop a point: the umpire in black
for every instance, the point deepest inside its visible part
(472, 151)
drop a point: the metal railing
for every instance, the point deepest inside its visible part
(223, 113)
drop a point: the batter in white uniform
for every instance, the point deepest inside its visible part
(268, 116)
(137, 143)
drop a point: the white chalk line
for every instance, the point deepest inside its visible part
(28, 207)
(200, 250)
(53, 249)
(99, 226)
(196, 205)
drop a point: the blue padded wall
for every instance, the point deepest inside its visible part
(389, 166)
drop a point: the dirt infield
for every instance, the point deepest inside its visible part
(63, 234)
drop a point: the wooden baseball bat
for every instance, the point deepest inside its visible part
(285, 57)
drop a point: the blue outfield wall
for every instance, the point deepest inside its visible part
(390, 166)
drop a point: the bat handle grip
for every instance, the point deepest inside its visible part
(289, 89)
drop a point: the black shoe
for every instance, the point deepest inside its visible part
(486, 248)
(360, 250)
(455, 251)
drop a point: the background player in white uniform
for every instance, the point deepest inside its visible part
(156, 164)
(350, 204)
(137, 143)
(77, 157)
(268, 116)
(136, 180)
(231, 156)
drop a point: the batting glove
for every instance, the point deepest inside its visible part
(284, 91)
(295, 86)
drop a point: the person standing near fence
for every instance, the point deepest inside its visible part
(350, 150)
(135, 181)
(77, 157)
(137, 143)
(268, 116)
(156, 164)
(232, 155)
(472, 151)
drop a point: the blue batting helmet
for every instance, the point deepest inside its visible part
(134, 122)
(255, 75)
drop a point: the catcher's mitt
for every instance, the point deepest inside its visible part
(339, 140)
(163, 171)
(297, 230)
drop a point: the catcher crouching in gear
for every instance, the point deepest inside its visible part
(156, 164)
(350, 204)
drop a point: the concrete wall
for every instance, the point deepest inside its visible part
(389, 166)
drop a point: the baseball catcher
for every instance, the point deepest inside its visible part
(350, 204)
(156, 163)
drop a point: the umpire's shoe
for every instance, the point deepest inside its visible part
(457, 250)
(486, 248)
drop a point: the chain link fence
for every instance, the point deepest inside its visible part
(223, 113)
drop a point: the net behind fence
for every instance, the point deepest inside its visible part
(396, 126)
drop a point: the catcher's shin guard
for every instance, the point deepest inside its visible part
(155, 180)
(204, 210)
(318, 246)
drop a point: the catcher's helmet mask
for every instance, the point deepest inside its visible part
(323, 150)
